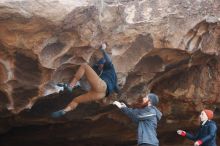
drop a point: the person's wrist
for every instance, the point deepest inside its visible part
(123, 105)
(199, 142)
(183, 133)
(118, 104)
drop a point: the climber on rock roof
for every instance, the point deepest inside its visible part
(102, 79)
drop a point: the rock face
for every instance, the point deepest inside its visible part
(167, 47)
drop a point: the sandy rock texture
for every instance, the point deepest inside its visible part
(170, 47)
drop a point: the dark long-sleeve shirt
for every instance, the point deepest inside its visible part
(108, 74)
(146, 119)
(206, 133)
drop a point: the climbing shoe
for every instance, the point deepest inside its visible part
(58, 114)
(66, 87)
